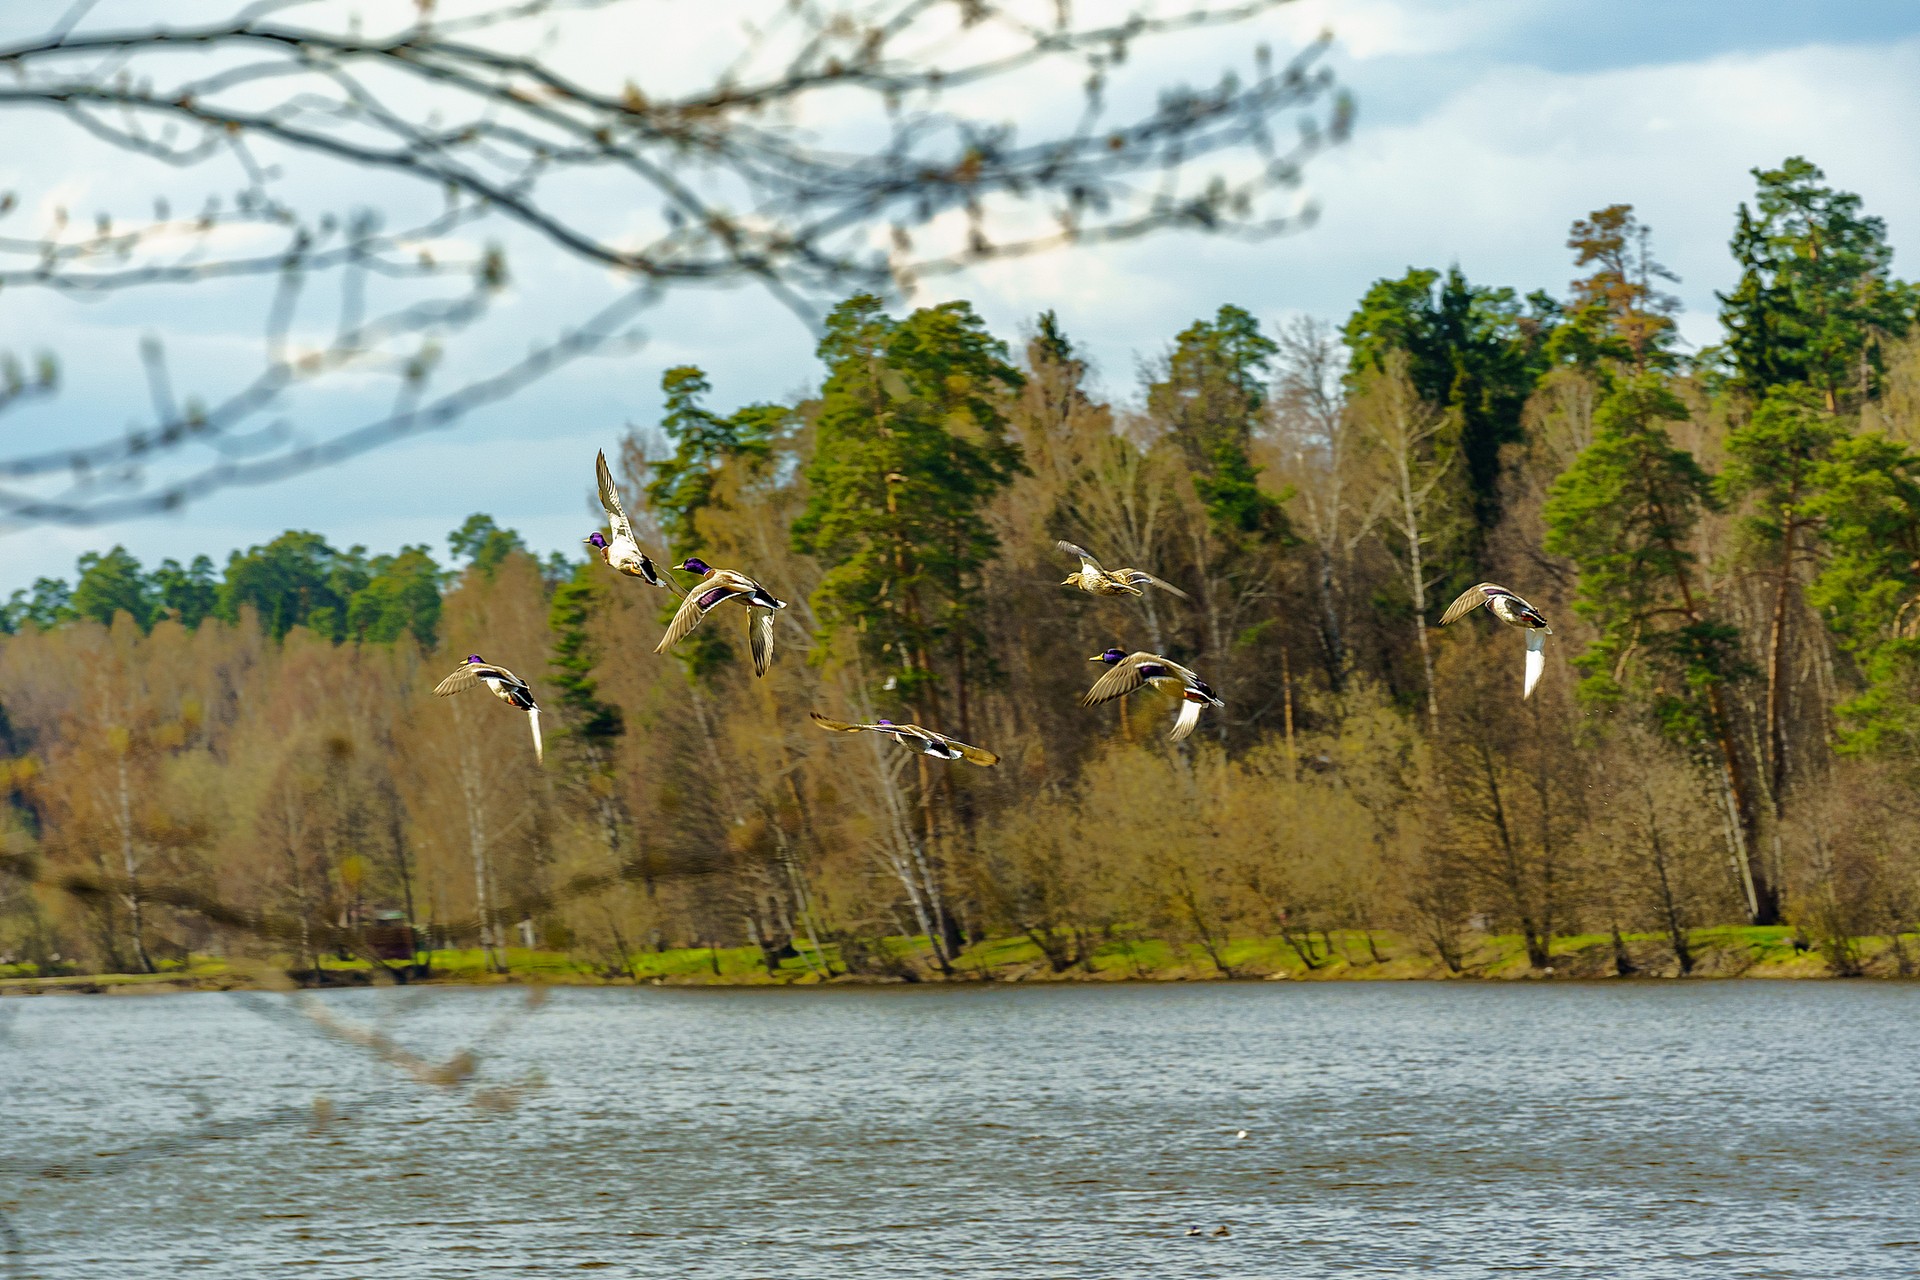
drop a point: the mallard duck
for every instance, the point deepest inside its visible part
(505, 685)
(1132, 670)
(623, 553)
(1515, 612)
(1097, 581)
(715, 588)
(914, 738)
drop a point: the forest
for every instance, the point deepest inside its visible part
(246, 761)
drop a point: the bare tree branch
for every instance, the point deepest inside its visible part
(852, 146)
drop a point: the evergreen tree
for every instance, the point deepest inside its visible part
(910, 445)
(48, 604)
(1773, 463)
(110, 583)
(290, 582)
(575, 603)
(402, 594)
(483, 544)
(1816, 298)
(187, 595)
(1867, 503)
(687, 485)
(1211, 398)
(1476, 352)
(1624, 513)
(704, 444)
(1618, 316)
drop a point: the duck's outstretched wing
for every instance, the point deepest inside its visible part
(469, 674)
(760, 639)
(610, 498)
(539, 751)
(836, 726)
(972, 754)
(1085, 557)
(1189, 717)
(1536, 661)
(1469, 600)
(1121, 679)
(699, 602)
(1140, 576)
(685, 619)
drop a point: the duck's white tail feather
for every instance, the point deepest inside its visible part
(533, 718)
(1189, 717)
(760, 638)
(1536, 661)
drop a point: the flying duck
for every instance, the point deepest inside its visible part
(1515, 612)
(504, 685)
(715, 588)
(623, 553)
(1094, 580)
(1130, 671)
(914, 738)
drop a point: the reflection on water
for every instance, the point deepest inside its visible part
(1685, 1130)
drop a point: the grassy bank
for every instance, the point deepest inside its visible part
(1340, 956)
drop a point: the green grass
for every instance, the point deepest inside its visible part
(1725, 950)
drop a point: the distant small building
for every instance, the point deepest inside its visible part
(392, 937)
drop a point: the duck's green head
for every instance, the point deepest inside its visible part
(597, 539)
(693, 564)
(473, 659)
(1110, 657)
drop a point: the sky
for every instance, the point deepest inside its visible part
(1483, 131)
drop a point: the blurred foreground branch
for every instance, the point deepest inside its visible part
(364, 189)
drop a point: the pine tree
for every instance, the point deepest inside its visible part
(1816, 299)
(1773, 462)
(111, 583)
(187, 595)
(1473, 351)
(910, 445)
(1624, 513)
(1868, 506)
(48, 604)
(484, 544)
(1211, 399)
(401, 595)
(290, 582)
(1617, 315)
(575, 603)
(704, 445)
(707, 449)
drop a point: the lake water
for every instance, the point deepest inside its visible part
(1712, 1129)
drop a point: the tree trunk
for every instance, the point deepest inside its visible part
(1776, 672)
(1669, 905)
(1417, 588)
(131, 866)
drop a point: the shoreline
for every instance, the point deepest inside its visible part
(1342, 956)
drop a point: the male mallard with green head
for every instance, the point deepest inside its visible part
(715, 588)
(623, 553)
(1515, 612)
(1095, 580)
(1130, 671)
(504, 685)
(914, 738)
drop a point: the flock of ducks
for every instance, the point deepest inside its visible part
(1125, 673)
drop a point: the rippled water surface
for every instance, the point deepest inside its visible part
(1685, 1130)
